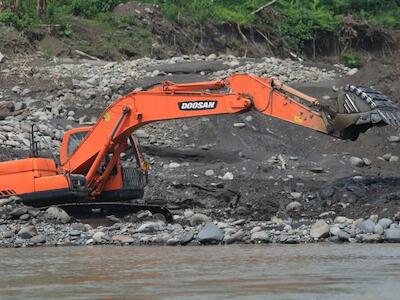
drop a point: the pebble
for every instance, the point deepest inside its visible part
(227, 176)
(209, 173)
(356, 161)
(198, 219)
(293, 206)
(239, 125)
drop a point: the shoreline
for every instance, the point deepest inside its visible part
(24, 226)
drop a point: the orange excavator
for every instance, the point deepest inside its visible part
(90, 169)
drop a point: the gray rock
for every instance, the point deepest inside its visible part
(38, 239)
(378, 229)
(319, 230)
(58, 214)
(366, 226)
(2, 57)
(385, 222)
(356, 161)
(239, 125)
(27, 232)
(369, 238)
(78, 226)
(174, 165)
(342, 235)
(75, 232)
(209, 173)
(99, 237)
(198, 219)
(182, 238)
(387, 156)
(140, 133)
(9, 200)
(7, 234)
(260, 237)
(19, 211)
(394, 158)
(392, 234)
(227, 176)
(236, 237)
(151, 227)
(24, 217)
(293, 206)
(123, 239)
(210, 233)
(394, 139)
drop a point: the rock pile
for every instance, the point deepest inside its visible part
(75, 92)
(24, 226)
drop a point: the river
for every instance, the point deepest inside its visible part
(314, 271)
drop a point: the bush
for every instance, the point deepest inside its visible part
(91, 8)
(9, 18)
(352, 60)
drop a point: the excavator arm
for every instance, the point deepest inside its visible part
(236, 94)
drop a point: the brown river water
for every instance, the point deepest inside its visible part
(314, 271)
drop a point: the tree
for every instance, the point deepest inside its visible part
(41, 7)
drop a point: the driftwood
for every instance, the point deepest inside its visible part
(83, 54)
(263, 7)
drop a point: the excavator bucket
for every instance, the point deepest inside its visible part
(360, 108)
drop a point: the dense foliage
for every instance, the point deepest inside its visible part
(298, 21)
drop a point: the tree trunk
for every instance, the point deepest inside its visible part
(1, 6)
(41, 7)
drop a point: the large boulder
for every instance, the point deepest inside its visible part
(260, 237)
(366, 226)
(27, 232)
(210, 234)
(57, 214)
(319, 230)
(392, 235)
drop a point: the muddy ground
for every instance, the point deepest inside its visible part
(273, 163)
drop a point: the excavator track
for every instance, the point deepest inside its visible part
(100, 210)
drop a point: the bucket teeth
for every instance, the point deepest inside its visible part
(369, 100)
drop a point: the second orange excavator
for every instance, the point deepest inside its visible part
(90, 169)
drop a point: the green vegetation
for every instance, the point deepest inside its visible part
(298, 22)
(352, 60)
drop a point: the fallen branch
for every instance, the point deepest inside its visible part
(265, 38)
(263, 7)
(246, 41)
(83, 54)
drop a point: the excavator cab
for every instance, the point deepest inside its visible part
(128, 176)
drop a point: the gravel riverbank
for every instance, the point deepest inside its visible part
(23, 226)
